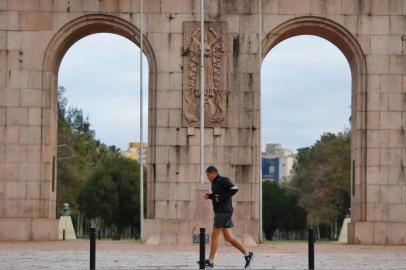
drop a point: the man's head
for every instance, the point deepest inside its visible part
(211, 173)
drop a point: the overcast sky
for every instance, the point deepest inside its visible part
(306, 91)
(101, 76)
(306, 87)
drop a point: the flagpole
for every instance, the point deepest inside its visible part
(202, 91)
(260, 119)
(141, 156)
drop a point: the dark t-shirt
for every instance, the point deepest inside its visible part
(222, 190)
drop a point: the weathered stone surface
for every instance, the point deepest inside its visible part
(15, 229)
(34, 116)
(391, 83)
(43, 228)
(390, 120)
(62, 5)
(390, 194)
(22, 5)
(370, 33)
(16, 190)
(362, 232)
(326, 6)
(215, 95)
(294, 7)
(373, 194)
(390, 157)
(91, 5)
(397, 212)
(386, 44)
(381, 7)
(29, 172)
(31, 20)
(398, 233)
(9, 20)
(373, 25)
(176, 6)
(16, 153)
(397, 24)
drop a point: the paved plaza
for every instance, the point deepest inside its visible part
(131, 255)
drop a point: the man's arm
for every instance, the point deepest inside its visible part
(229, 189)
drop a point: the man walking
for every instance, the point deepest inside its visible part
(221, 192)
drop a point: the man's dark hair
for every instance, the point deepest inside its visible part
(212, 169)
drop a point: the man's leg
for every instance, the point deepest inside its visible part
(215, 236)
(228, 235)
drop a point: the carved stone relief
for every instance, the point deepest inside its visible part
(215, 55)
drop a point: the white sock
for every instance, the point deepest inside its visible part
(246, 254)
(211, 260)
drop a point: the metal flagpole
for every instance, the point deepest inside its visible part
(141, 157)
(202, 91)
(260, 119)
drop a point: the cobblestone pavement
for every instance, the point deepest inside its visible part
(130, 255)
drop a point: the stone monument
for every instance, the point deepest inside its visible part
(66, 225)
(35, 35)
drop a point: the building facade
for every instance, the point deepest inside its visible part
(270, 169)
(134, 151)
(277, 163)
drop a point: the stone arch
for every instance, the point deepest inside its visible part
(60, 43)
(350, 47)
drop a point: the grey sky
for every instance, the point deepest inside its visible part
(306, 87)
(306, 90)
(101, 76)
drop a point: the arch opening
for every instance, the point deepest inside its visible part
(350, 48)
(323, 28)
(59, 45)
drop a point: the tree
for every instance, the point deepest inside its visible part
(112, 194)
(68, 174)
(280, 210)
(322, 175)
(92, 176)
(79, 152)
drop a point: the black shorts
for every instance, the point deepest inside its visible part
(223, 220)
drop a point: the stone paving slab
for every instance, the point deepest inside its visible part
(40, 257)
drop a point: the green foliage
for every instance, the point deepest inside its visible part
(79, 152)
(281, 210)
(112, 193)
(94, 177)
(322, 176)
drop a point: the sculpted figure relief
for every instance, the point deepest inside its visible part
(215, 74)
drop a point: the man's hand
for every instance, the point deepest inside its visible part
(212, 196)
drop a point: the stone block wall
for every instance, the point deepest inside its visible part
(34, 36)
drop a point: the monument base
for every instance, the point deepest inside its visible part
(377, 233)
(65, 223)
(28, 229)
(180, 232)
(343, 238)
